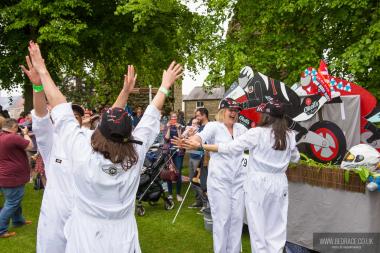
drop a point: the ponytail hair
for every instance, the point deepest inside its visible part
(279, 129)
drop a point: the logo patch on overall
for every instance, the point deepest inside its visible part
(112, 171)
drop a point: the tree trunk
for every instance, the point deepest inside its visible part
(28, 96)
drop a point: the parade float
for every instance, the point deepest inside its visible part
(331, 185)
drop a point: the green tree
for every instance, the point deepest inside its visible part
(87, 44)
(282, 38)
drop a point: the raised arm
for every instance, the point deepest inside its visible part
(129, 84)
(42, 125)
(53, 94)
(169, 76)
(39, 99)
(149, 126)
(243, 142)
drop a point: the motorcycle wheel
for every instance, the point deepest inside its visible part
(335, 152)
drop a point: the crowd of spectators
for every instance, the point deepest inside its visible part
(18, 143)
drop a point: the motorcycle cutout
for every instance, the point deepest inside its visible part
(324, 140)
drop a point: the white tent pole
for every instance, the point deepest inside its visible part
(183, 200)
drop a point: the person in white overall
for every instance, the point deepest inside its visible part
(225, 179)
(106, 165)
(57, 201)
(271, 147)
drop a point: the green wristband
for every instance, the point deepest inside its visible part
(164, 90)
(38, 88)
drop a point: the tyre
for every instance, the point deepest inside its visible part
(169, 204)
(140, 211)
(336, 150)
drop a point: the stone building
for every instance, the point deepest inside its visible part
(198, 97)
(140, 97)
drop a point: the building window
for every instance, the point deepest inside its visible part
(200, 104)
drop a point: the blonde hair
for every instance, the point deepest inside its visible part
(2, 119)
(220, 115)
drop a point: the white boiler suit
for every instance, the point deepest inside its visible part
(57, 201)
(225, 188)
(266, 187)
(103, 216)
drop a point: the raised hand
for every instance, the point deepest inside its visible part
(36, 58)
(130, 79)
(170, 75)
(32, 74)
(177, 141)
(191, 144)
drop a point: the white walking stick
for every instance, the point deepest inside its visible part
(175, 217)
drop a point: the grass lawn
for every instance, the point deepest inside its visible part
(156, 233)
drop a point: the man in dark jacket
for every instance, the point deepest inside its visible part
(14, 174)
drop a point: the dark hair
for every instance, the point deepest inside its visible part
(124, 153)
(203, 111)
(279, 129)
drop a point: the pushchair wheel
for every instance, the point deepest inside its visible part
(140, 211)
(169, 204)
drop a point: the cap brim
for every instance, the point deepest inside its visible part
(238, 108)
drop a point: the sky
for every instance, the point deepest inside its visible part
(191, 79)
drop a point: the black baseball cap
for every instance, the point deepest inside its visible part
(78, 109)
(273, 107)
(229, 103)
(116, 125)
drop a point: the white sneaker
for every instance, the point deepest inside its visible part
(179, 198)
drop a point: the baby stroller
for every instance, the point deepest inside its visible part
(150, 187)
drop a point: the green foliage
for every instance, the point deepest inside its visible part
(346, 176)
(282, 38)
(305, 160)
(91, 42)
(363, 173)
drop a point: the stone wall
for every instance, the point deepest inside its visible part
(210, 105)
(140, 97)
(177, 97)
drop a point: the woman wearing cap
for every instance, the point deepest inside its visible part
(106, 165)
(225, 178)
(271, 147)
